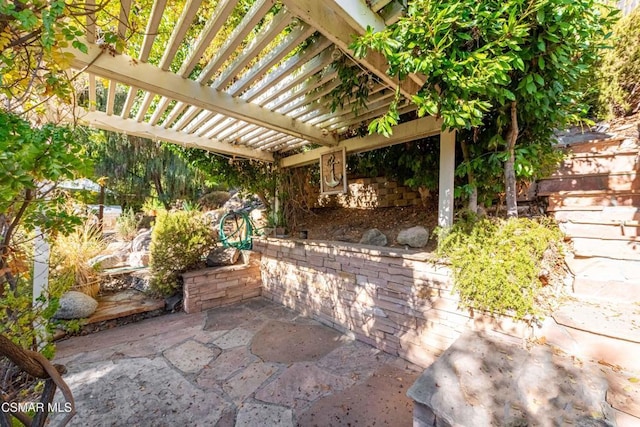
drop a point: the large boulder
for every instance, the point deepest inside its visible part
(416, 237)
(142, 241)
(222, 256)
(374, 237)
(75, 305)
(108, 261)
(138, 259)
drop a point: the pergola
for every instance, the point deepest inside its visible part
(263, 93)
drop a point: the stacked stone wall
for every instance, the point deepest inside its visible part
(369, 193)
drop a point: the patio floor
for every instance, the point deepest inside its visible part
(251, 364)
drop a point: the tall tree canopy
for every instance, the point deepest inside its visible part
(505, 71)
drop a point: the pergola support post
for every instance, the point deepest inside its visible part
(446, 178)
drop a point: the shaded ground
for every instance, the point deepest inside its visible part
(348, 225)
(218, 368)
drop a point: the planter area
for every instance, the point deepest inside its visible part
(396, 300)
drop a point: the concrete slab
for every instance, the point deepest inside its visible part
(286, 342)
(191, 356)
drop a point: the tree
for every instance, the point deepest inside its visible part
(32, 160)
(135, 167)
(507, 72)
(33, 63)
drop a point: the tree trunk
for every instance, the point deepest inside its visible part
(511, 192)
(157, 181)
(472, 203)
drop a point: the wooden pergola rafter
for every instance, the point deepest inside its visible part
(264, 86)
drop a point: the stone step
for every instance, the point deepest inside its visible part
(605, 332)
(618, 181)
(623, 250)
(599, 268)
(622, 291)
(592, 200)
(604, 215)
(590, 163)
(628, 231)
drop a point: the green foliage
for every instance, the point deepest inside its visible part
(496, 263)
(33, 65)
(250, 176)
(72, 326)
(214, 199)
(619, 74)
(415, 163)
(32, 160)
(478, 58)
(179, 242)
(127, 225)
(138, 168)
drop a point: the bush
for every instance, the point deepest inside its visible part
(496, 263)
(179, 242)
(127, 225)
(214, 199)
(70, 256)
(620, 71)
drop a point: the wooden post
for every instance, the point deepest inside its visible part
(446, 178)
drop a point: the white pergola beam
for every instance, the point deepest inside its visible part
(131, 97)
(123, 20)
(92, 92)
(90, 6)
(152, 29)
(111, 97)
(215, 23)
(409, 131)
(249, 21)
(358, 14)
(325, 16)
(289, 65)
(131, 127)
(262, 39)
(181, 28)
(297, 77)
(147, 77)
(300, 33)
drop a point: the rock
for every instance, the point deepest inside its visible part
(138, 259)
(118, 247)
(222, 256)
(141, 242)
(416, 237)
(75, 305)
(374, 237)
(107, 261)
(140, 281)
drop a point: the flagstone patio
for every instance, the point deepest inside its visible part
(252, 364)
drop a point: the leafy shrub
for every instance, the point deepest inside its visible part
(214, 199)
(179, 242)
(496, 263)
(127, 225)
(620, 70)
(70, 256)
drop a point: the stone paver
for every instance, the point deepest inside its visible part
(252, 415)
(234, 338)
(190, 356)
(199, 370)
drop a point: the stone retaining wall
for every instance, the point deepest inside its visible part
(398, 301)
(217, 286)
(369, 193)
